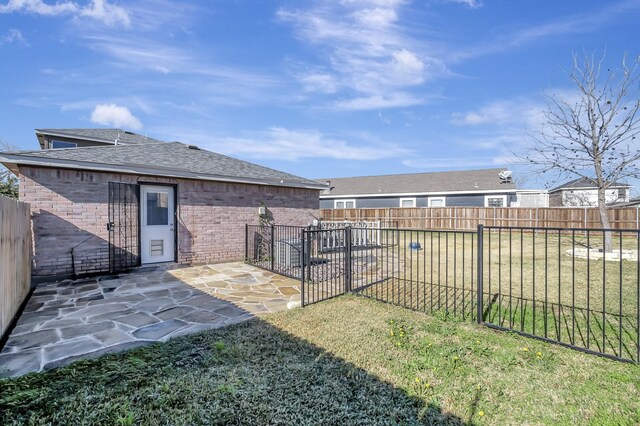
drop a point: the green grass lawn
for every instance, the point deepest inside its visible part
(350, 360)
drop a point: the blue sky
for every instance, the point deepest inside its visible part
(315, 88)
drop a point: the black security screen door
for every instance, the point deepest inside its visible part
(124, 213)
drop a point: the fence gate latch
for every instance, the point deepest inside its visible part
(110, 226)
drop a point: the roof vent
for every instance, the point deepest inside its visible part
(194, 147)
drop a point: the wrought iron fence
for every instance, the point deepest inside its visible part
(426, 271)
(326, 273)
(277, 248)
(569, 287)
(565, 286)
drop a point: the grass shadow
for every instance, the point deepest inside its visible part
(249, 373)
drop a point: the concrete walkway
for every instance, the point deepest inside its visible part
(86, 318)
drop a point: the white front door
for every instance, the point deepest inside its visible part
(157, 235)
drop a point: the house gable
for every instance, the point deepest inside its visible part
(78, 138)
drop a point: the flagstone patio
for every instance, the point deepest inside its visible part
(69, 320)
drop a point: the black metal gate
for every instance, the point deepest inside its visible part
(326, 271)
(123, 226)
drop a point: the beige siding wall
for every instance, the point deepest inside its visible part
(15, 258)
(69, 209)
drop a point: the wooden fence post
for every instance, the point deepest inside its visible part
(455, 218)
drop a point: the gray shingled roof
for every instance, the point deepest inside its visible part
(162, 158)
(100, 135)
(586, 183)
(466, 180)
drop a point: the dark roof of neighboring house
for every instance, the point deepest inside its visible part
(417, 183)
(173, 159)
(96, 135)
(584, 183)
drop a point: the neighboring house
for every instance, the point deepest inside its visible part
(583, 192)
(531, 198)
(476, 188)
(139, 201)
(633, 202)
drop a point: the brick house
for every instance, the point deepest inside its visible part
(105, 199)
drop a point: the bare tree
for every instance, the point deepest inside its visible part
(8, 182)
(592, 133)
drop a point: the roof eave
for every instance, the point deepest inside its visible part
(40, 133)
(144, 170)
(587, 188)
(426, 193)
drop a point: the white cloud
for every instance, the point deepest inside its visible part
(575, 24)
(324, 83)
(474, 4)
(115, 115)
(516, 112)
(393, 100)
(14, 36)
(378, 17)
(100, 10)
(280, 143)
(39, 7)
(109, 14)
(407, 68)
(456, 162)
(191, 72)
(369, 55)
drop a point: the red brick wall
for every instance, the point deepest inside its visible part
(69, 209)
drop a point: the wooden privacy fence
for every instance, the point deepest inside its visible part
(15, 258)
(468, 218)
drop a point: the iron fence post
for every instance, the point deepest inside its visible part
(272, 248)
(246, 242)
(479, 289)
(347, 259)
(302, 253)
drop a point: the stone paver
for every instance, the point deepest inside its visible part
(139, 319)
(159, 330)
(86, 318)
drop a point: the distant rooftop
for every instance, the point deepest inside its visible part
(414, 183)
(584, 183)
(107, 136)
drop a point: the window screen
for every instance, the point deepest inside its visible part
(495, 202)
